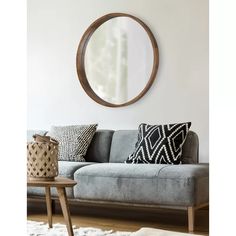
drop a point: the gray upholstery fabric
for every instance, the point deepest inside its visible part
(186, 184)
(190, 149)
(66, 169)
(99, 149)
(31, 132)
(123, 144)
(182, 185)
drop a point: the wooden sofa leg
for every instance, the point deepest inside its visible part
(191, 219)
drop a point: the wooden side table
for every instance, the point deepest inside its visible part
(60, 183)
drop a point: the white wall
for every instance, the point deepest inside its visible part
(179, 93)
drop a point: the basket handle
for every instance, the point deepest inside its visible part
(44, 139)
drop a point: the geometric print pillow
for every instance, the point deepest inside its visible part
(74, 140)
(159, 144)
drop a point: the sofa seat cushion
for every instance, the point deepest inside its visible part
(180, 185)
(66, 169)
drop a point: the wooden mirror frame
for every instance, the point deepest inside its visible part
(81, 55)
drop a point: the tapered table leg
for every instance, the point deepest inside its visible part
(60, 183)
(49, 205)
(65, 209)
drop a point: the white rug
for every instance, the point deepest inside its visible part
(159, 232)
(41, 229)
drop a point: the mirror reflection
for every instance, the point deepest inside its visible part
(119, 60)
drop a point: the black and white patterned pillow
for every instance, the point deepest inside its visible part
(159, 144)
(73, 140)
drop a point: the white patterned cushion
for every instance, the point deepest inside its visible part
(74, 140)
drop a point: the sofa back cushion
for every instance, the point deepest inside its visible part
(119, 144)
(99, 148)
(123, 144)
(190, 149)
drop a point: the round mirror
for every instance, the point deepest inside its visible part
(117, 60)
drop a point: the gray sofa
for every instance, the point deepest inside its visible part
(105, 179)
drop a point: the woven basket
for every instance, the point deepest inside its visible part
(42, 158)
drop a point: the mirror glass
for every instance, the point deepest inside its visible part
(118, 60)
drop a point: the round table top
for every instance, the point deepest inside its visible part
(57, 182)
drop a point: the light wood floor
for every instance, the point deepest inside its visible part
(124, 219)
